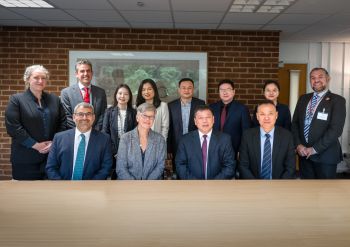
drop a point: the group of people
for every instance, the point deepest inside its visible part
(76, 137)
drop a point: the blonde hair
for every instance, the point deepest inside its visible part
(29, 71)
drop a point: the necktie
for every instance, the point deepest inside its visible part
(79, 161)
(309, 115)
(266, 164)
(86, 95)
(223, 117)
(204, 154)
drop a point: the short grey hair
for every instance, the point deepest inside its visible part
(29, 71)
(83, 61)
(146, 107)
(84, 105)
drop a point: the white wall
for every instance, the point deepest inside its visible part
(335, 57)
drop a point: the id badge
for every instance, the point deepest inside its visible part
(322, 115)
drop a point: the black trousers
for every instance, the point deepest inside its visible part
(316, 170)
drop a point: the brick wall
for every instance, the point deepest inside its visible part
(247, 57)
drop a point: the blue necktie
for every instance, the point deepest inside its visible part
(309, 115)
(266, 164)
(79, 161)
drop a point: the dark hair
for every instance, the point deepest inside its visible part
(186, 79)
(130, 95)
(268, 82)
(82, 61)
(266, 102)
(202, 108)
(227, 81)
(319, 68)
(140, 99)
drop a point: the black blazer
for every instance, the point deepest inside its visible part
(284, 119)
(175, 126)
(221, 162)
(237, 120)
(23, 120)
(110, 124)
(283, 155)
(323, 134)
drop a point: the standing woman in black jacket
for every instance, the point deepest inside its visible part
(32, 118)
(119, 119)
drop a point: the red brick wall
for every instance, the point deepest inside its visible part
(247, 57)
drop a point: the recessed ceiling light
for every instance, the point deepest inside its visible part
(25, 4)
(261, 6)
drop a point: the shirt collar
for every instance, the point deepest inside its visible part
(81, 86)
(77, 133)
(321, 94)
(202, 134)
(271, 133)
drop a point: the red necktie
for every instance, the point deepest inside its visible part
(223, 118)
(86, 95)
(204, 153)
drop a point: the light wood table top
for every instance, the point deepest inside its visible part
(175, 213)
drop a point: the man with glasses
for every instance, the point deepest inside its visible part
(82, 153)
(181, 113)
(231, 116)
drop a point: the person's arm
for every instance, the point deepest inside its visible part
(103, 109)
(181, 161)
(158, 170)
(289, 160)
(244, 161)
(67, 108)
(165, 121)
(335, 126)
(122, 160)
(52, 165)
(62, 118)
(107, 161)
(228, 162)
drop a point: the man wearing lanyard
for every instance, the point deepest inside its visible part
(84, 91)
(317, 124)
(205, 153)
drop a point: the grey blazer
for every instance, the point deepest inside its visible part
(71, 96)
(129, 157)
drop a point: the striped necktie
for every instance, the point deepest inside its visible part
(79, 161)
(266, 164)
(309, 116)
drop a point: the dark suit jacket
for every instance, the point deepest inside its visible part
(283, 154)
(237, 120)
(98, 157)
(110, 124)
(175, 128)
(284, 119)
(323, 134)
(220, 165)
(24, 123)
(71, 96)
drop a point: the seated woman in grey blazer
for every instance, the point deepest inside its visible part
(141, 153)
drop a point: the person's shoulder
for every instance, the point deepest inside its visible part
(282, 131)
(335, 96)
(97, 88)
(64, 133)
(198, 101)
(221, 136)
(215, 105)
(173, 102)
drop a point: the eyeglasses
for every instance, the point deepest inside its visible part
(144, 116)
(82, 114)
(225, 90)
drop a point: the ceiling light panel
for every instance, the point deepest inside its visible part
(25, 4)
(260, 6)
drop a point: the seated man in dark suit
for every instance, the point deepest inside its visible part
(205, 153)
(267, 152)
(81, 153)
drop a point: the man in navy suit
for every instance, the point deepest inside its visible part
(318, 122)
(205, 153)
(231, 117)
(96, 156)
(84, 91)
(181, 113)
(280, 154)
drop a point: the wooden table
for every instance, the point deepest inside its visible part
(175, 213)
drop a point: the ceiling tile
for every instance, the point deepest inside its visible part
(149, 5)
(80, 4)
(202, 5)
(285, 28)
(248, 18)
(96, 15)
(151, 25)
(318, 6)
(44, 14)
(147, 16)
(20, 23)
(298, 19)
(62, 23)
(198, 17)
(107, 24)
(232, 26)
(196, 25)
(6, 14)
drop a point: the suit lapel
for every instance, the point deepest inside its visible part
(197, 150)
(70, 144)
(138, 158)
(77, 96)
(212, 144)
(89, 151)
(257, 149)
(178, 114)
(275, 149)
